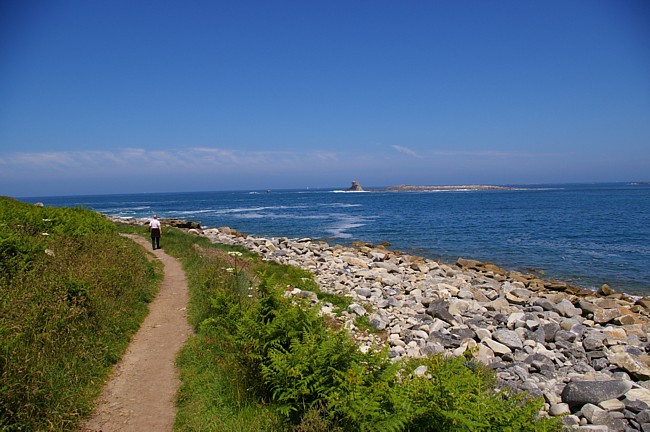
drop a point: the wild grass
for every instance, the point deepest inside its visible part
(68, 308)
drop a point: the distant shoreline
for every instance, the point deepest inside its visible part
(413, 188)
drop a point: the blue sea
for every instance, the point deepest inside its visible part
(585, 234)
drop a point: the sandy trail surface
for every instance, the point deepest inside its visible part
(140, 394)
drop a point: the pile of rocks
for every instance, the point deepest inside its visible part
(585, 352)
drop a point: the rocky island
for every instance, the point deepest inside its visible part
(356, 187)
(412, 188)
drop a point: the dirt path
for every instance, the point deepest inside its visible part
(140, 394)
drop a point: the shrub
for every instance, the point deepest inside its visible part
(317, 375)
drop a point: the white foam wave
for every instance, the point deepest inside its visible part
(339, 231)
(339, 205)
(257, 215)
(189, 212)
(343, 224)
(258, 209)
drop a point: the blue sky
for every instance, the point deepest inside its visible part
(165, 96)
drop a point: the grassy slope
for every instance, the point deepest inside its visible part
(68, 308)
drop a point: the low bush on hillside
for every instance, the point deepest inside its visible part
(68, 307)
(281, 366)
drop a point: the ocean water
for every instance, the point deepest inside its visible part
(586, 234)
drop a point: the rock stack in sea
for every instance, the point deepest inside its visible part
(355, 187)
(585, 352)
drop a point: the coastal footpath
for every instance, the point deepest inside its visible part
(585, 352)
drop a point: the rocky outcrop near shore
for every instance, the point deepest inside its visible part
(585, 352)
(355, 187)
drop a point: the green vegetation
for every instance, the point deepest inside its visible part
(68, 308)
(264, 361)
(260, 360)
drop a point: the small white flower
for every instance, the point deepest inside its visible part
(230, 269)
(235, 253)
(45, 234)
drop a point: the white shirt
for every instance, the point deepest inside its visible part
(155, 223)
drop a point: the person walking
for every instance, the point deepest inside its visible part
(156, 231)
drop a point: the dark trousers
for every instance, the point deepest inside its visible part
(155, 238)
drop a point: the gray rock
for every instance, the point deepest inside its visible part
(639, 394)
(363, 292)
(612, 405)
(483, 333)
(599, 364)
(637, 365)
(592, 344)
(578, 393)
(432, 348)
(378, 323)
(599, 416)
(508, 337)
(497, 347)
(603, 316)
(579, 330)
(559, 409)
(544, 303)
(566, 308)
(444, 339)
(541, 364)
(500, 305)
(392, 268)
(643, 416)
(538, 335)
(564, 335)
(587, 306)
(512, 297)
(420, 371)
(438, 309)
(357, 309)
(479, 296)
(549, 330)
(635, 405)
(459, 307)
(462, 333)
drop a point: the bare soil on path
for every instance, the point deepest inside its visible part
(140, 394)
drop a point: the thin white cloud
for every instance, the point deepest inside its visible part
(405, 150)
(137, 159)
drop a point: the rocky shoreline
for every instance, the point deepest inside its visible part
(585, 352)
